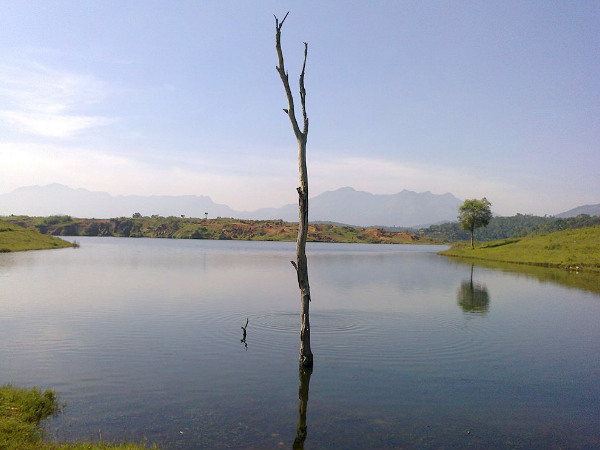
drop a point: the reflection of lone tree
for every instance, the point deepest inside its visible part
(306, 356)
(473, 297)
(301, 429)
(474, 214)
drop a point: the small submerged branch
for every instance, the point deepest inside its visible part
(243, 340)
(244, 327)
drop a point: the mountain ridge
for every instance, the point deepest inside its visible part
(345, 205)
(590, 210)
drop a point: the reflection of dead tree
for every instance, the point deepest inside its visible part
(301, 266)
(301, 429)
(243, 340)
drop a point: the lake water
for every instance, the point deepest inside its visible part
(142, 340)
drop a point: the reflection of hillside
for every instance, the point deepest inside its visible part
(399, 269)
(586, 281)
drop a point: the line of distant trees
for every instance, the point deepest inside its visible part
(516, 226)
(520, 225)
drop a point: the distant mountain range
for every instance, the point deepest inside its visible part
(345, 205)
(57, 199)
(590, 210)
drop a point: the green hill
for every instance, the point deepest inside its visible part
(575, 249)
(14, 238)
(517, 226)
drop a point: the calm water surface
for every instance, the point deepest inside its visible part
(142, 340)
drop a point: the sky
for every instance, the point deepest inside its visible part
(475, 98)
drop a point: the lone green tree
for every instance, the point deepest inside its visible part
(301, 266)
(474, 214)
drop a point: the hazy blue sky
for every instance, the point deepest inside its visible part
(478, 98)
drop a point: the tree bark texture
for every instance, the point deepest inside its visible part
(472, 237)
(301, 266)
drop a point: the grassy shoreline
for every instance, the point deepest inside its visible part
(576, 250)
(22, 410)
(14, 238)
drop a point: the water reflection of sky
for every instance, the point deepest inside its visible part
(120, 321)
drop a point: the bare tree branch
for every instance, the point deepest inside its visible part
(284, 77)
(277, 24)
(303, 92)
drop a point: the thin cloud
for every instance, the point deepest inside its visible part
(386, 177)
(27, 164)
(51, 125)
(256, 182)
(50, 103)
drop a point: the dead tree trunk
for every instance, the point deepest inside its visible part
(306, 356)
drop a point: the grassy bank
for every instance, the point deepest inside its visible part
(577, 249)
(22, 410)
(14, 238)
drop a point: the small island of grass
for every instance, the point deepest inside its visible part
(575, 249)
(14, 238)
